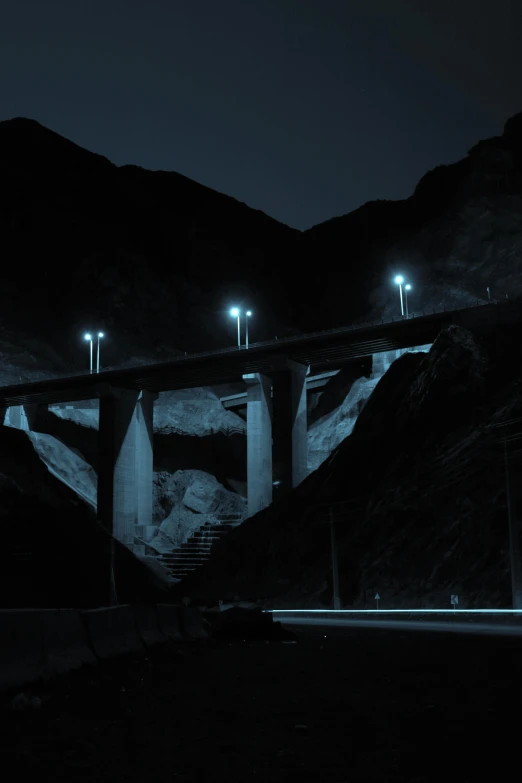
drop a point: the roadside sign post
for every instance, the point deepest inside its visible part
(454, 601)
(335, 567)
(377, 599)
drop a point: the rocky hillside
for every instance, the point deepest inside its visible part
(155, 259)
(54, 552)
(458, 233)
(418, 491)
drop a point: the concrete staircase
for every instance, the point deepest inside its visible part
(196, 550)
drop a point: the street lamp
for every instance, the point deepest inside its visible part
(400, 280)
(406, 289)
(100, 335)
(248, 314)
(235, 312)
(89, 338)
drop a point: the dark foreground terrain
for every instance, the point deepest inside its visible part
(365, 705)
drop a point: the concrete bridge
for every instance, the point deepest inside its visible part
(274, 374)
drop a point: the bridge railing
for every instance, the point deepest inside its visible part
(264, 343)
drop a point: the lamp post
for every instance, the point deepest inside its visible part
(235, 312)
(406, 289)
(100, 335)
(400, 280)
(248, 314)
(89, 338)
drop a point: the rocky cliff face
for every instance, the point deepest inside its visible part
(459, 232)
(153, 258)
(418, 491)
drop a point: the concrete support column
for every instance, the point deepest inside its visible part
(289, 424)
(26, 417)
(15, 416)
(144, 456)
(125, 461)
(381, 362)
(259, 442)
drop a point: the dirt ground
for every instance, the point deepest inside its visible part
(356, 705)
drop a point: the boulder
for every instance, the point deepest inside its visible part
(186, 500)
(196, 412)
(203, 494)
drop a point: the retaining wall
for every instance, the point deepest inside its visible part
(38, 644)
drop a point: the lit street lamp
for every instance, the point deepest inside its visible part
(406, 289)
(236, 313)
(248, 314)
(100, 335)
(400, 280)
(89, 338)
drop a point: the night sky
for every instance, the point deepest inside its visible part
(304, 109)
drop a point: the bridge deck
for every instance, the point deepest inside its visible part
(321, 351)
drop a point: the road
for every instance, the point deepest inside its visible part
(450, 623)
(370, 705)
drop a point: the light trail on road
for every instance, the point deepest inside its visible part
(454, 622)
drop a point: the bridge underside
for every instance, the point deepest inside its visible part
(276, 422)
(277, 441)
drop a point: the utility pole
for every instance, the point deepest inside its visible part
(113, 596)
(514, 539)
(335, 568)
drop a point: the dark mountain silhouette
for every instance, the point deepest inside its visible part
(152, 257)
(155, 259)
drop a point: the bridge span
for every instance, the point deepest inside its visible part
(274, 373)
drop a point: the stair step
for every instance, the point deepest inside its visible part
(195, 545)
(183, 563)
(204, 539)
(197, 549)
(178, 571)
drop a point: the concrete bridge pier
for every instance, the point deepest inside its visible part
(277, 433)
(125, 462)
(26, 417)
(259, 442)
(381, 362)
(289, 425)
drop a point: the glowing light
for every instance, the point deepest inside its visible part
(100, 334)
(393, 611)
(399, 279)
(88, 337)
(249, 312)
(234, 312)
(408, 287)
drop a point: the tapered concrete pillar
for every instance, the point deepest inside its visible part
(289, 424)
(15, 416)
(259, 442)
(277, 433)
(125, 461)
(381, 362)
(26, 417)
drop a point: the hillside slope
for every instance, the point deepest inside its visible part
(418, 491)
